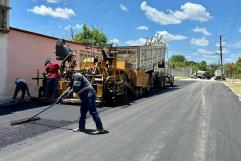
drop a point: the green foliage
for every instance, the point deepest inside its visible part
(238, 65)
(202, 65)
(91, 36)
(212, 67)
(178, 61)
(178, 58)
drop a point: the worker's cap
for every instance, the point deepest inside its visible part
(47, 61)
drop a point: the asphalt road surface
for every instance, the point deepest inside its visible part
(194, 121)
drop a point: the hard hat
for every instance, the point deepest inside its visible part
(47, 61)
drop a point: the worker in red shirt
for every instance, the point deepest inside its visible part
(52, 70)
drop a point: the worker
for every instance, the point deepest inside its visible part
(21, 85)
(52, 70)
(80, 85)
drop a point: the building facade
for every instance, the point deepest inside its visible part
(23, 53)
(4, 29)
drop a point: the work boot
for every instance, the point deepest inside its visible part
(78, 130)
(99, 131)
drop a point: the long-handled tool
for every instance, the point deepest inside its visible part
(33, 118)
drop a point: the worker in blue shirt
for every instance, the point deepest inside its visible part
(21, 85)
(80, 85)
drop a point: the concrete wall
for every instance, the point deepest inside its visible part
(182, 72)
(3, 62)
(26, 52)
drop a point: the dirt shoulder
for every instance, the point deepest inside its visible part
(235, 86)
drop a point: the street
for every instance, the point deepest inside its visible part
(193, 121)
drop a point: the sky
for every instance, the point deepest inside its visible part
(191, 28)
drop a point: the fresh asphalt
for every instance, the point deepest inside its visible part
(193, 121)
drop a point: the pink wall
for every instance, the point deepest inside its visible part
(26, 53)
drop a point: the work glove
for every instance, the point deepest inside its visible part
(63, 95)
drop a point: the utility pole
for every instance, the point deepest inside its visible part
(72, 34)
(221, 56)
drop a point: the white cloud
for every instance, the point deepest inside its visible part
(64, 13)
(210, 59)
(164, 35)
(53, 1)
(203, 30)
(115, 41)
(229, 60)
(237, 44)
(123, 8)
(225, 51)
(74, 27)
(68, 27)
(142, 28)
(218, 43)
(199, 42)
(188, 11)
(78, 26)
(138, 42)
(169, 37)
(212, 52)
(206, 52)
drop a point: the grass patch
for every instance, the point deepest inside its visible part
(236, 87)
(180, 78)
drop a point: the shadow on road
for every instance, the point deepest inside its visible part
(177, 86)
(8, 109)
(90, 132)
(150, 94)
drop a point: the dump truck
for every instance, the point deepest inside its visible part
(151, 59)
(201, 75)
(218, 75)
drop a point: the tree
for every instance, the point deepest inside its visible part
(91, 36)
(202, 65)
(212, 67)
(178, 59)
(238, 65)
